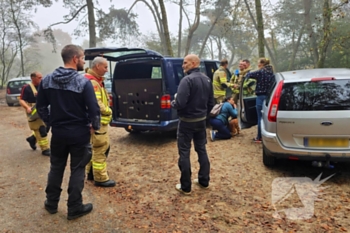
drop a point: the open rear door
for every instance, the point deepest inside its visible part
(247, 110)
(117, 54)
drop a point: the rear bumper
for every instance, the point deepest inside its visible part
(12, 99)
(274, 148)
(162, 126)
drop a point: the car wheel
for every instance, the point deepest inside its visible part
(132, 131)
(10, 105)
(268, 160)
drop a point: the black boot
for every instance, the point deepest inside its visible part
(83, 210)
(32, 142)
(90, 175)
(46, 152)
(108, 183)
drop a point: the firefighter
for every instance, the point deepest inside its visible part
(97, 168)
(27, 101)
(236, 80)
(220, 83)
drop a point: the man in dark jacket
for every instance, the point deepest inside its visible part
(194, 100)
(74, 114)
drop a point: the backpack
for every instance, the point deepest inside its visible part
(216, 110)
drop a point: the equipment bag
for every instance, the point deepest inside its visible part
(216, 110)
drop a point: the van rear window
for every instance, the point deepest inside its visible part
(313, 96)
(138, 70)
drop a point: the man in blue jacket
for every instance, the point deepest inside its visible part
(194, 101)
(74, 115)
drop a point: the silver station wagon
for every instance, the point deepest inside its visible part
(306, 116)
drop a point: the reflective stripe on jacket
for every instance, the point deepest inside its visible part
(102, 99)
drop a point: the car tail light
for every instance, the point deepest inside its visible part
(8, 91)
(322, 79)
(110, 97)
(274, 102)
(165, 102)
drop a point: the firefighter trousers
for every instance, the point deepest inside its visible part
(100, 151)
(35, 126)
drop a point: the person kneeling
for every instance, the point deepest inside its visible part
(221, 121)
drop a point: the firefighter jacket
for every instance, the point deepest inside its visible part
(237, 79)
(101, 96)
(220, 82)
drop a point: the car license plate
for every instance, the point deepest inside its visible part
(326, 142)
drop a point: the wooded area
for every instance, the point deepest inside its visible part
(294, 34)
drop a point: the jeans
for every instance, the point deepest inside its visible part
(223, 130)
(259, 103)
(185, 133)
(79, 149)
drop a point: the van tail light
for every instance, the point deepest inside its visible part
(8, 91)
(165, 102)
(274, 102)
(110, 98)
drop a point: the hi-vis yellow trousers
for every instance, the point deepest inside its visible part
(42, 141)
(100, 150)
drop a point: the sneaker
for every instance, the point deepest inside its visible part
(196, 181)
(212, 135)
(32, 142)
(178, 188)
(50, 208)
(257, 140)
(83, 210)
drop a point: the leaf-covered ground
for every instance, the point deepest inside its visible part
(145, 200)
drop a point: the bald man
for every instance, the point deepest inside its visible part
(193, 102)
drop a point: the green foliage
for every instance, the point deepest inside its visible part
(116, 24)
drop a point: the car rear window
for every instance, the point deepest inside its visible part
(313, 96)
(18, 84)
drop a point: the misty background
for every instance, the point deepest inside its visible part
(295, 34)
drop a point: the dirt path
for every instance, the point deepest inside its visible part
(145, 200)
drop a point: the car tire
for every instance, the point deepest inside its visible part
(268, 160)
(10, 104)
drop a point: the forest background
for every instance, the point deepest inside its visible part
(293, 34)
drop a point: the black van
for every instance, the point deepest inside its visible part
(144, 83)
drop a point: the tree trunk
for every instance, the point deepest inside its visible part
(265, 42)
(180, 30)
(260, 28)
(92, 25)
(327, 12)
(166, 28)
(210, 30)
(295, 49)
(157, 20)
(19, 34)
(313, 44)
(194, 27)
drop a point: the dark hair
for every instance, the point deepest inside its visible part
(227, 98)
(33, 74)
(69, 51)
(246, 61)
(223, 62)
